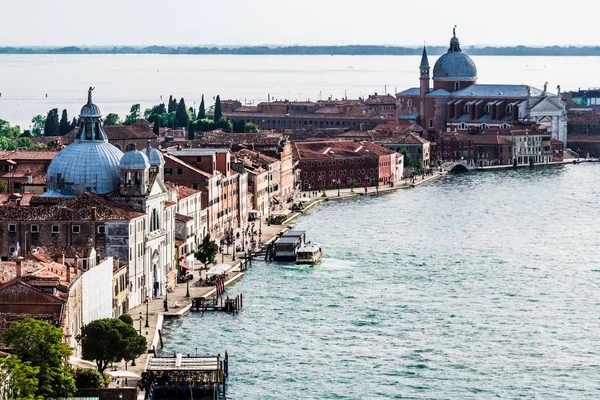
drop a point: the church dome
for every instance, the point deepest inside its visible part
(156, 157)
(454, 65)
(89, 164)
(134, 159)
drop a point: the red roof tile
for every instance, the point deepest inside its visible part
(333, 149)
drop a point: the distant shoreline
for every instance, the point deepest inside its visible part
(309, 50)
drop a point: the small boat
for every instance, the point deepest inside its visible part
(309, 253)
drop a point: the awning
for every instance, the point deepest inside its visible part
(122, 374)
(184, 265)
(219, 269)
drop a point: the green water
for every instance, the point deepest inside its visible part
(479, 285)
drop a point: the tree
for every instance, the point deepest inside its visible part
(191, 131)
(134, 115)
(156, 127)
(250, 127)
(218, 112)
(51, 128)
(74, 123)
(112, 119)
(223, 124)
(406, 155)
(110, 340)
(41, 344)
(3, 187)
(207, 251)
(88, 379)
(37, 125)
(238, 126)
(201, 110)
(127, 319)
(19, 378)
(172, 107)
(64, 126)
(182, 118)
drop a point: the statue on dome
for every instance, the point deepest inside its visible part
(90, 95)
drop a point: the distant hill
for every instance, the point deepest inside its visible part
(310, 50)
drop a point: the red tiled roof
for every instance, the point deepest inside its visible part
(329, 110)
(231, 139)
(247, 109)
(68, 209)
(402, 138)
(263, 158)
(18, 155)
(333, 149)
(182, 163)
(184, 191)
(183, 218)
(378, 99)
(123, 132)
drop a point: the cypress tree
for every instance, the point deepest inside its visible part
(172, 107)
(191, 131)
(73, 123)
(182, 119)
(218, 112)
(52, 125)
(156, 126)
(202, 110)
(64, 125)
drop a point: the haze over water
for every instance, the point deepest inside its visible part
(478, 285)
(122, 80)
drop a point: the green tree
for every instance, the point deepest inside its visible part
(74, 123)
(223, 124)
(250, 127)
(201, 110)
(64, 126)
(41, 344)
(19, 379)
(110, 340)
(238, 126)
(204, 125)
(182, 119)
(191, 131)
(37, 125)
(218, 112)
(51, 128)
(127, 319)
(88, 379)
(172, 105)
(112, 119)
(134, 115)
(156, 127)
(207, 251)
(406, 154)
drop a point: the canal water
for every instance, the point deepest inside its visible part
(478, 285)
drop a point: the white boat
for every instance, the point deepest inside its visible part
(309, 253)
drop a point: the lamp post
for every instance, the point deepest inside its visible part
(166, 304)
(147, 303)
(141, 318)
(187, 286)
(338, 187)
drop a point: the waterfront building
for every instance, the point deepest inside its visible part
(457, 101)
(331, 163)
(24, 171)
(583, 123)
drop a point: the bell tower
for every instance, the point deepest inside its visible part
(424, 79)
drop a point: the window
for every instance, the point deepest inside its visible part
(198, 159)
(179, 171)
(55, 229)
(486, 109)
(101, 229)
(462, 126)
(34, 228)
(483, 126)
(75, 229)
(195, 186)
(509, 109)
(430, 123)
(84, 264)
(12, 249)
(168, 171)
(456, 85)
(12, 227)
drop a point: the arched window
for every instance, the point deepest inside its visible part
(483, 126)
(456, 85)
(462, 126)
(467, 108)
(138, 178)
(130, 147)
(154, 221)
(128, 178)
(486, 109)
(509, 109)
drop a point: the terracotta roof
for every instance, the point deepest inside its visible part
(8, 269)
(183, 218)
(184, 164)
(37, 170)
(402, 138)
(17, 155)
(123, 132)
(243, 139)
(332, 149)
(284, 103)
(403, 126)
(378, 99)
(179, 242)
(477, 139)
(311, 116)
(69, 251)
(170, 203)
(329, 110)
(247, 109)
(584, 118)
(68, 209)
(255, 155)
(184, 191)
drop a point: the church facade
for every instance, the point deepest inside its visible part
(456, 102)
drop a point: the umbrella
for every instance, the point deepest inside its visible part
(218, 269)
(122, 374)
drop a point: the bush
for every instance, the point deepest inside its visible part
(88, 379)
(127, 319)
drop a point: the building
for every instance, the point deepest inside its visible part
(581, 123)
(24, 171)
(346, 164)
(457, 101)
(262, 178)
(382, 105)
(418, 148)
(124, 137)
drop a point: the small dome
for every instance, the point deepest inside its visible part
(88, 166)
(454, 65)
(134, 159)
(156, 157)
(90, 110)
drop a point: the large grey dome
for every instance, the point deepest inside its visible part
(454, 65)
(90, 164)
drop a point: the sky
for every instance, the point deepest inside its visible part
(304, 22)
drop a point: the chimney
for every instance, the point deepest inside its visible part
(68, 268)
(93, 213)
(76, 264)
(18, 267)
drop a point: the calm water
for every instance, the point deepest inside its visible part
(122, 80)
(480, 285)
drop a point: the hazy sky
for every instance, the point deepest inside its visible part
(309, 22)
